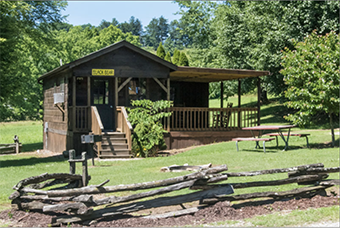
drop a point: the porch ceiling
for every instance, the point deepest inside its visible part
(194, 74)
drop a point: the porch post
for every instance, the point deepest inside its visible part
(239, 103)
(74, 103)
(168, 98)
(221, 94)
(116, 102)
(89, 103)
(258, 100)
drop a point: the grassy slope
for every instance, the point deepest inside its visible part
(29, 133)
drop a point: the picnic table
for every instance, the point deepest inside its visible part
(277, 128)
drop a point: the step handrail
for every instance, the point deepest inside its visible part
(124, 125)
(96, 125)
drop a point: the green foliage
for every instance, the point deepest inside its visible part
(311, 73)
(156, 32)
(160, 51)
(183, 60)
(250, 34)
(229, 89)
(175, 57)
(146, 118)
(25, 33)
(196, 22)
(168, 57)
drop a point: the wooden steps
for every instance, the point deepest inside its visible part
(114, 145)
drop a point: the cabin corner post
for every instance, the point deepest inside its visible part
(74, 81)
(89, 104)
(116, 101)
(168, 98)
(258, 100)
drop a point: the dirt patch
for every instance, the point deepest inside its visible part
(221, 211)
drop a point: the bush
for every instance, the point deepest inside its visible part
(146, 118)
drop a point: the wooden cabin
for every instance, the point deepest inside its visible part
(89, 96)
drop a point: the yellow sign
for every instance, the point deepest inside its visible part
(103, 72)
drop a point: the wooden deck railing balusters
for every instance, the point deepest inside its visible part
(209, 119)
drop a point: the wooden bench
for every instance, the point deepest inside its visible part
(264, 140)
(286, 134)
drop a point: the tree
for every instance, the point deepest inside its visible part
(168, 57)
(196, 21)
(183, 60)
(250, 34)
(311, 72)
(160, 51)
(175, 57)
(156, 31)
(25, 31)
(104, 24)
(176, 39)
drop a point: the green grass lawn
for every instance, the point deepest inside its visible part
(14, 168)
(30, 134)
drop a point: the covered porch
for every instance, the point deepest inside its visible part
(192, 121)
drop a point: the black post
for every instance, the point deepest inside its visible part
(239, 104)
(258, 100)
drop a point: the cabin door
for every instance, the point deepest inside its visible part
(102, 98)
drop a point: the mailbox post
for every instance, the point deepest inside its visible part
(90, 140)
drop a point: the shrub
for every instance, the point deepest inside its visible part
(145, 118)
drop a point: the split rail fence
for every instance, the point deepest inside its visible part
(11, 147)
(75, 202)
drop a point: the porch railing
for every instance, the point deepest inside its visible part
(124, 125)
(81, 122)
(97, 125)
(211, 119)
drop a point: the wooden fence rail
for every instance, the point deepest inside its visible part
(12, 147)
(80, 201)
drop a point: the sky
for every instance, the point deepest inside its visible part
(93, 12)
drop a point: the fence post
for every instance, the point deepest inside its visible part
(85, 172)
(72, 154)
(17, 144)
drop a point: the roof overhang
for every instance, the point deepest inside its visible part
(194, 74)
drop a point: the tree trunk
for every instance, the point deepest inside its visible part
(263, 97)
(332, 128)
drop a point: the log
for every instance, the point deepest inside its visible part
(78, 208)
(34, 205)
(49, 183)
(262, 183)
(271, 171)
(113, 200)
(44, 177)
(188, 211)
(14, 195)
(180, 168)
(81, 198)
(312, 171)
(136, 206)
(275, 195)
(130, 187)
(330, 182)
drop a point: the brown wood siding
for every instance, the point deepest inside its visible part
(55, 140)
(126, 63)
